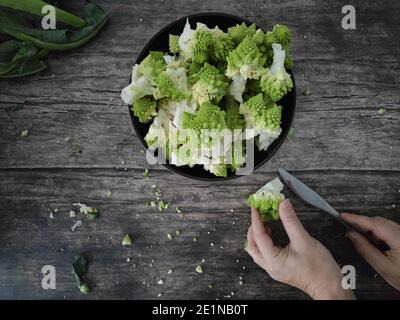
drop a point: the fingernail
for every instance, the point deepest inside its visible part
(286, 204)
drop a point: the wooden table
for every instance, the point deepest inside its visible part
(341, 146)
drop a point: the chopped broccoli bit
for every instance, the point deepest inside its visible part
(146, 173)
(199, 269)
(90, 212)
(127, 240)
(84, 288)
(24, 133)
(381, 110)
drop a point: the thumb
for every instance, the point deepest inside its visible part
(371, 254)
(291, 223)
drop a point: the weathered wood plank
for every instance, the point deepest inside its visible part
(31, 239)
(350, 75)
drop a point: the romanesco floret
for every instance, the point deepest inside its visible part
(153, 64)
(173, 44)
(276, 82)
(195, 44)
(172, 83)
(219, 170)
(246, 60)
(282, 35)
(208, 116)
(267, 199)
(260, 116)
(144, 109)
(210, 84)
(241, 31)
(139, 87)
(222, 45)
(233, 119)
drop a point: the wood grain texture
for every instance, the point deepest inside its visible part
(341, 146)
(32, 239)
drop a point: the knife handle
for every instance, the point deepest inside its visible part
(381, 245)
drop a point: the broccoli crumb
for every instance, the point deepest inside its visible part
(381, 110)
(24, 133)
(169, 271)
(178, 232)
(169, 236)
(163, 205)
(89, 212)
(84, 288)
(210, 286)
(178, 210)
(306, 91)
(127, 240)
(199, 269)
(109, 194)
(146, 173)
(290, 133)
(75, 149)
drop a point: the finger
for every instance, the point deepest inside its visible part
(381, 228)
(261, 237)
(291, 223)
(370, 253)
(252, 248)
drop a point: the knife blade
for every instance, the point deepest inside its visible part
(312, 198)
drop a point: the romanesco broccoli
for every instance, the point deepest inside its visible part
(144, 109)
(267, 199)
(246, 60)
(209, 84)
(172, 83)
(276, 82)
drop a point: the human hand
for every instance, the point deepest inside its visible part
(304, 263)
(387, 264)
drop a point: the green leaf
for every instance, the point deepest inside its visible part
(35, 7)
(20, 59)
(14, 24)
(79, 266)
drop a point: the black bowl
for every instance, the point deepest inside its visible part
(159, 42)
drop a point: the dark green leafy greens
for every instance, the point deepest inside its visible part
(23, 56)
(79, 266)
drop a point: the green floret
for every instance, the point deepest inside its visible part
(241, 31)
(261, 115)
(222, 45)
(192, 72)
(173, 44)
(208, 116)
(210, 84)
(272, 117)
(246, 60)
(280, 34)
(153, 64)
(173, 84)
(267, 199)
(219, 170)
(202, 43)
(276, 82)
(233, 119)
(144, 109)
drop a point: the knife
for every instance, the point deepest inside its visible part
(312, 198)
